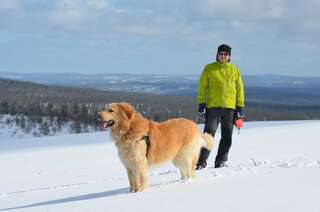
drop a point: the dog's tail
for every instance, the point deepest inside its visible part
(207, 141)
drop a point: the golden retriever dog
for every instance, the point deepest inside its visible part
(142, 142)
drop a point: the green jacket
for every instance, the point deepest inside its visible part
(220, 85)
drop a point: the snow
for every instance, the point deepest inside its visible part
(273, 166)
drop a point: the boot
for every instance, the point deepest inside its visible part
(202, 162)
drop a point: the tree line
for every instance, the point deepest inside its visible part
(80, 106)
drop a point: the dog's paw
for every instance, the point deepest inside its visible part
(187, 180)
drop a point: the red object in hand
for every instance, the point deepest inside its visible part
(238, 123)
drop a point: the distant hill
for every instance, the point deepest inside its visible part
(25, 93)
(159, 82)
(50, 107)
(270, 89)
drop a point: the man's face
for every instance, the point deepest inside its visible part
(223, 57)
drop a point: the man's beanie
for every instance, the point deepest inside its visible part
(224, 48)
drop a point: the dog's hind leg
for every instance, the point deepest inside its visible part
(186, 159)
(180, 162)
(187, 166)
(190, 172)
(193, 166)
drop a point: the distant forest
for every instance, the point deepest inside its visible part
(64, 104)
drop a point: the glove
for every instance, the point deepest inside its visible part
(202, 108)
(239, 113)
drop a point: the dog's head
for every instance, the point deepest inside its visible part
(116, 115)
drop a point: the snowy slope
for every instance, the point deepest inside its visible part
(274, 166)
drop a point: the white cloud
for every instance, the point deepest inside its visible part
(67, 16)
(312, 26)
(67, 13)
(243, 9)
(176, 25)
(200, 20)
(98, 4)
(8, 4)
(80, 14)
(243, 26)
(139, 30)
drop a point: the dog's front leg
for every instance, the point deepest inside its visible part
(135, 179)
(139, 178)
(143, 175)
(132, 181)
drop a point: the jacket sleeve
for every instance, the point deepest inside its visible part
(240, 91)
(202, 87)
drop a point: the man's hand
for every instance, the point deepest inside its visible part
(239, 114)
(202, 108)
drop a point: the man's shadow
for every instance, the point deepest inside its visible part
(114, 192)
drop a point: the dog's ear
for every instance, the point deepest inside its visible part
(127, 110)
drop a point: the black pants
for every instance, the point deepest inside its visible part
(225, 117)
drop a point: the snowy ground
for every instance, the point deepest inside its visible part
(274, 166)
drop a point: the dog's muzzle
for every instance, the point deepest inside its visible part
(108, 124)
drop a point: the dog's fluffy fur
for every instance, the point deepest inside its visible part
(142, 142)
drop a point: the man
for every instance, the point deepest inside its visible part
(221, 99)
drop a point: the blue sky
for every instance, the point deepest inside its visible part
(160, 36)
